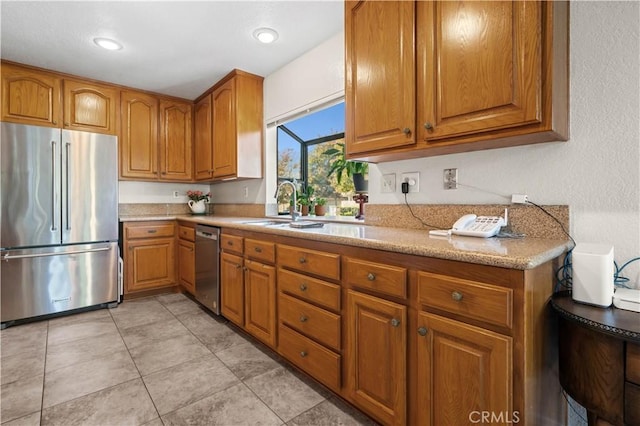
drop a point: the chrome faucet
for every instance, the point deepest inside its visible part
(295, 214)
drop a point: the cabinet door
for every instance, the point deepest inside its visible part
(462, 370)
(203, 146)
(232, 288)
(260, 301)
(175, 141)
(187, 265)
(479, 66)
(150, 264)
(377, 356)
(139, 136)
(380, 75)
(224, 131)
(90, 107)
(30, 97)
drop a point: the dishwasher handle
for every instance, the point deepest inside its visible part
(211, 235)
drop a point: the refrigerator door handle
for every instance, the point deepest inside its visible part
(66, 187)
(7, 257)
(54, 189)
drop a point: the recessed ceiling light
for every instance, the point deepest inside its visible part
(107, 43)
(265, 35)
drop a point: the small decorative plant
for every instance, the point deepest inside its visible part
(320, 209)
(196, 196)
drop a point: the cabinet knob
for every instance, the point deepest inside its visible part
(371, 276)
(238, 266)
(258, 250)
(151, 231)
(303, 287)
(303, 354)
(302, 260)
(395, 322)
(54, 122)
(303, 318)
(66, 124)
(406, 131)
(422, 331)
(428, 126)
(457, 296)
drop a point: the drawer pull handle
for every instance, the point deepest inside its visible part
(302, 260)
(395, 322)
(422, 331)
(152, 231)
(303, 318)
(371, 276)
(303, 287)
(230, 243)
(457, 296)
(258, 250)
(303, 354)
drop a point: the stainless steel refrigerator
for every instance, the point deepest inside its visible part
(58, 221)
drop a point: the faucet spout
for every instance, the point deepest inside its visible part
(295, 214)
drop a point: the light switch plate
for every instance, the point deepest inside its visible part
(388, 183)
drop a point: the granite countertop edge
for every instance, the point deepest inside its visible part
(521, 254)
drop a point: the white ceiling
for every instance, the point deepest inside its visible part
(178, 48)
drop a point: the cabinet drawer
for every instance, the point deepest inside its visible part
(385, 279)
(313, 290)
(633, 363)
(471, 299)
(315, 359)
(260, 250)
(310, 261)
(314, 322)
(149, 230)
(187, 233)
(232, 243)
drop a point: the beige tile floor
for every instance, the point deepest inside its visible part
(155, 361)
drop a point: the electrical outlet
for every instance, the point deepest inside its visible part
(413, 179)
(450, 178)
(175, 194)
(388, 183)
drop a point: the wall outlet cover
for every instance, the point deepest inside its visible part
(413, 178)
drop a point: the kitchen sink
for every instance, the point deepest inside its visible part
(274, 222)
(266, 222)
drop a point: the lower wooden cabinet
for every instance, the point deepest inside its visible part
(260, 301)
(248, 291)
(149, 256)
(187, 256)
(462, 372)
(232, 287)
(376, 354)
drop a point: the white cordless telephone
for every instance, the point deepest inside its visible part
(471, 225)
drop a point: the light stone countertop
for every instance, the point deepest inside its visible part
(524, 253)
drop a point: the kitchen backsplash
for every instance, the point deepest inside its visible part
(525, 219)
(153, 209)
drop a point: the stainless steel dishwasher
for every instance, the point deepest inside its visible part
(208, 267)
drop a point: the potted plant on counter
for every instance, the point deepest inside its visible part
(305, 197)
(197, 200)
(320, 208)
(356, 170)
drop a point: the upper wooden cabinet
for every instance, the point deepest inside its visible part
(484, 74)
(90, 107)
(237, 113)
(30, 96)
(175, 141)
(203, 142)
(155, 138)
(139, 136)
(380, 75)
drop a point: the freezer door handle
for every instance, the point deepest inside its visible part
(7, 257)
(54, 189)
(66, 188)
